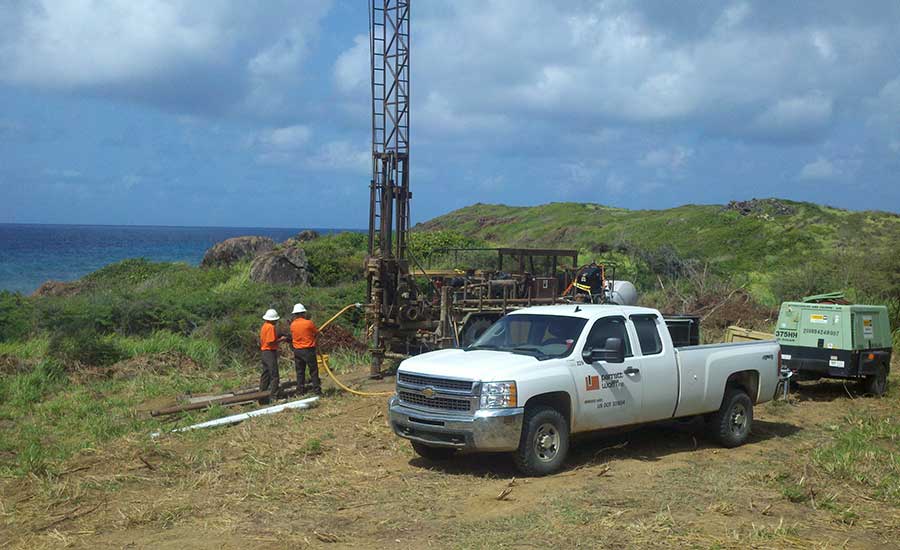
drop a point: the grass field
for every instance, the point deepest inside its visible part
(820, 471)
(80, 371)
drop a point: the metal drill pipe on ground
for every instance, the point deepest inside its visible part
(204, 404)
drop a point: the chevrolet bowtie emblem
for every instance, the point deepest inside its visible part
(428, 392)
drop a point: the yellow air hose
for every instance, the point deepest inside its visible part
(322, 360)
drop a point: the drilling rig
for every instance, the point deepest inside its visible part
(411, 309)
(387, 267)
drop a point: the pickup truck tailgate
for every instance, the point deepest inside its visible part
(705, 370)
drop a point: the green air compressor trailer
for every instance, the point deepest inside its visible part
(834, 340)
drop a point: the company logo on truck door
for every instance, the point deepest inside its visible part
(612, 380)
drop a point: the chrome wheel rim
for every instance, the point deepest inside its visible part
(738, 419)
(546, 442)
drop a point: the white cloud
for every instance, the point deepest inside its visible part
(175, 52)
(62, 174)
(351, 70)
(615, 184)
(818, 170)
(280, 145)
(341, 156)
(795, 115)
(672, 159)
(727, 71)
(71, 43)
(885, 107)
(291, 146)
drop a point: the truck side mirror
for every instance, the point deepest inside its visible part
(614, 352)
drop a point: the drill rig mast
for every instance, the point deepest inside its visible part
(387, 266)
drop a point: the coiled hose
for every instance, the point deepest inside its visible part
(322, 360)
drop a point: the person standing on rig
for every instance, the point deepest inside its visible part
(589, 281)
(303, 340)
(268, 345)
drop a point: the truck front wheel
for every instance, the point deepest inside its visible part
(876, 384)
(730, 425)
(544, 443)
(434, 454)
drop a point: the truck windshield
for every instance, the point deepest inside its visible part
(542, 336)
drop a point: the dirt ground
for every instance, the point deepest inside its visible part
(336, 477)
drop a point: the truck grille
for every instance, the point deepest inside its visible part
(445, 403)
(436, 383)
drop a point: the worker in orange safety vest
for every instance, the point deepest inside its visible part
(303, 340)
(268, 345)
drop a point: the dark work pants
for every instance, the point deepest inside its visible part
(306, 358)
(268, 380)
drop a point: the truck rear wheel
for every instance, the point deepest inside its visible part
(434, 454)
(876, 384)
(544, 443)
(730, 425)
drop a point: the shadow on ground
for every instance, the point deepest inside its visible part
(828, 390)
(650, 443)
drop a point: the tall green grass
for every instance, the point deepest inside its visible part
(203, 351)
(33, 348)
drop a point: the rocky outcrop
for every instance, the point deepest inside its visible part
(58, 288)
(307, 235)
(286, 266)
(236, 249)
(760, 207)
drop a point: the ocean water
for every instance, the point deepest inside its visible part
(31, 254)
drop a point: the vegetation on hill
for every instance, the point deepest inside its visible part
(776, 249)
(76, 360)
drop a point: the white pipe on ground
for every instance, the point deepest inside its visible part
(235, 418)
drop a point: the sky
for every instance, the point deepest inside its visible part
(229, 113)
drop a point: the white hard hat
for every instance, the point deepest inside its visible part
(271, 315)
(299, 308)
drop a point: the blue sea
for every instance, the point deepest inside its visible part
(31, 254)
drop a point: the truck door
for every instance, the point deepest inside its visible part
(609, 394)
(658, 368)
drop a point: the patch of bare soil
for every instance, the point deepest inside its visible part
(10, 364)
(336, 477)
(153, 363)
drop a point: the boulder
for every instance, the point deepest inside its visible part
(58, 288)
(307, 235)
(285, 266)
(234, 250)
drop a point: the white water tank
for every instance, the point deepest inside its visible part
(622, 293)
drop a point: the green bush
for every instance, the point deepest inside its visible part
(336, 259)
(129, 273)
(423, 244)
(15, 316)
(84, 346)
(237, 335)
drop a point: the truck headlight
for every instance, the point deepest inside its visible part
(498, 395)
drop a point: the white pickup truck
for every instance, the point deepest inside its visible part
(542, 373)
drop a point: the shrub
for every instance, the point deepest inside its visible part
(237, 335)
(84, 346)
(128, 273)
(425, 243)
(15, 315)
(336, 258)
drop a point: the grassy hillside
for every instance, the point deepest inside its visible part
(781, 249)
